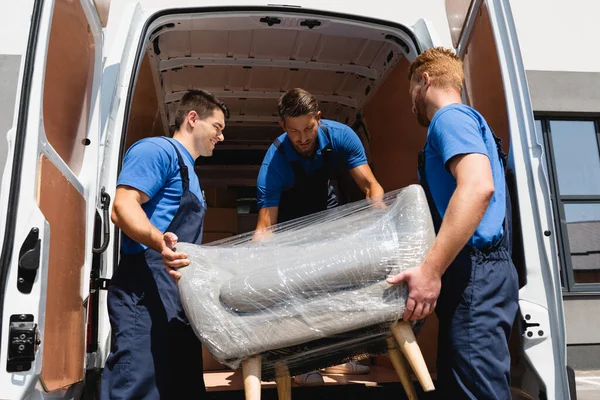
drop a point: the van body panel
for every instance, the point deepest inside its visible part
(52, 202)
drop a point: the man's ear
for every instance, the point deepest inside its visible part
(192, 118)
(318, 116)
(282, 124)
(426, 80)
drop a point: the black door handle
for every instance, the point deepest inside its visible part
(105, 200)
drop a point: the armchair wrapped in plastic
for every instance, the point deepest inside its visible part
(312, 291)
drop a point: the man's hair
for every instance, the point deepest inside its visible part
(201, 101)
(442, 65)
(297, 102)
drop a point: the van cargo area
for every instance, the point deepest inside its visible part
(358, 72)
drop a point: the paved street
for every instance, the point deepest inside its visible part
(588, 385)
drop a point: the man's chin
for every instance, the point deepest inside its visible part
(207, 153)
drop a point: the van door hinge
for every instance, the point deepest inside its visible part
(98, 283)
(23, 342)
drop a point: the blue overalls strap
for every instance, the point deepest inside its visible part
(183, 169)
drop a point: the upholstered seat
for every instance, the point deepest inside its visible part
(297, 294)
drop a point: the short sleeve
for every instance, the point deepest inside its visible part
(456, 132)
(351, 148)
(270, 182)
(146, 167)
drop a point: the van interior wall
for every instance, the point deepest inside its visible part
(66, 109)
(145, 119)
(68, 83)
(395, 140)
(483, 77)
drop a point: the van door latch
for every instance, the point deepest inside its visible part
(535, 323)
(29, 261)
(23, 342)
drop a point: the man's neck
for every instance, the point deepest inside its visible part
(184, 140)
(441, 98)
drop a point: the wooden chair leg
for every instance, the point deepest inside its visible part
(408, 345)
(400, 366)
(251, 369)
(284, 381)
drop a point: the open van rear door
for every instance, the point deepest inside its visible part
(485, 37)
(50, 192)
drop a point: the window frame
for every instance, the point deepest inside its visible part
(567, 273)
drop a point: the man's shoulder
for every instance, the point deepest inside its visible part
(454, 114)
(335, 127)
(152, 150)
(152, 145)
(340, 135)
(274, 152)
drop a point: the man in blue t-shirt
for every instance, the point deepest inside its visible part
(469, 265)
(158, 201)
(294, 179)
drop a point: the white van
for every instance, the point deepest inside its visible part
(91, 77)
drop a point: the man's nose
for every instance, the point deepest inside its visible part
(220, 137)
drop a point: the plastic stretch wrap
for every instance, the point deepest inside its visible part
(315, 285)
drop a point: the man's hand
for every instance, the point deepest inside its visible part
(262, 234)
(171, 258)
(377, 202)
(424, 286)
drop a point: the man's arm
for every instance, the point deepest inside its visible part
(267, 217)
(128, 215)
(467, 206)
(364, 178)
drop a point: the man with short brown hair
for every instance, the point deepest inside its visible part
(294, 179)
(469, 265)
(158, 201)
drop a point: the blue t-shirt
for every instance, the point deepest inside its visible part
(459, 129)
(151, 166)
(277, 174)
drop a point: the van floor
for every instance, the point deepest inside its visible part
(350, 392)
(381, 383)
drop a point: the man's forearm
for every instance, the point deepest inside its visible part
(465, 211)
(132, 220)
(267, 217)
(374, 190)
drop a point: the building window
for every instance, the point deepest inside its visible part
(573, 151)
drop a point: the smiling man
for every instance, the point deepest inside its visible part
(158, 201)
(294, 179)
